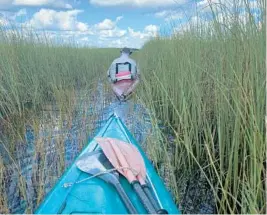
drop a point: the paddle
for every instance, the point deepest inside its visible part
(129, 162)
(96, 163)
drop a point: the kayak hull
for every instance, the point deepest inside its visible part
(125, 87)
(95, 195)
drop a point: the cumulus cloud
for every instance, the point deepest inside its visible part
(169, 15)
(151, 30)
(137, 34)
(230, 5)
(224, 19)
(13, 15)
(61, 20)
(148, 32)
(64, 27)
(108, 24)
(196, 23)
(4, 4)
(21, 12)
(53, 3)
(116, 32)
(207, 3)
(137, 3)
(120, 37)
(108, 28)
(3, 21)
(8, 17)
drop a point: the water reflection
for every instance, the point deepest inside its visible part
(32, 170)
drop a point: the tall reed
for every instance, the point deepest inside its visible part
(207, 85)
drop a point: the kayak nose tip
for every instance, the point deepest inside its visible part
(115, 115)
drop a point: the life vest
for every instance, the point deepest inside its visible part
(122, 71)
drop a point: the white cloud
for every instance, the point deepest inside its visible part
(151, 30)
(21, 12)
(207, 5)
(61, 20)
(3, 21)
(116, 32)
(108, 24)
(225, 19)
(105, 38)
(81, 26)
(4, 4)
(137, 3)
(137, 34)
(52, 3)
(196, 23)
(148, 32)
(162, 14)
(169, 15)
(119, 18)
(108, 28)
(9, 18)
(227, 5)
(64, 27)
(130, 37)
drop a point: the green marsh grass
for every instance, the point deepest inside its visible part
(41, 81)
(207, 85)
(35, 72)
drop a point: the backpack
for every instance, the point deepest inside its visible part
(122, 71)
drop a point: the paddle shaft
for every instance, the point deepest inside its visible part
(128, 204)
(144, 199)
(153, 201)
(150, 197)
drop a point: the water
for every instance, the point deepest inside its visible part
(40, 160)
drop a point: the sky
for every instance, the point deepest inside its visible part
(105, 23)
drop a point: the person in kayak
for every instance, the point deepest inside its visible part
(124, 68)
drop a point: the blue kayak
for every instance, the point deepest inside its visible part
(76, 193)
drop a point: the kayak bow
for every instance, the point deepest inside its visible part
(76, 193)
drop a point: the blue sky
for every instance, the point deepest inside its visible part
(104, 23)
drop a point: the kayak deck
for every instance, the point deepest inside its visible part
(95, 195)
(125, 87)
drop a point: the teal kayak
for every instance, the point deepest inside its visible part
(97, 196)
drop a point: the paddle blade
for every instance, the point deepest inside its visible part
(125, 158)
(96, 163)
(88, 162)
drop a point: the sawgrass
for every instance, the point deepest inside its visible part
(38, 77)
(207, 85)
(35, 72)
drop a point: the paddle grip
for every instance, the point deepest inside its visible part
(141, 194)
(127, 202)
(153, 201)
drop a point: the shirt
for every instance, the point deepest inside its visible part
(122, 59)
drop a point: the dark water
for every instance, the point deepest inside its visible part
(39, 161)
(40, 168)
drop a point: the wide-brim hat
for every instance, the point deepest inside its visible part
(126, 50)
